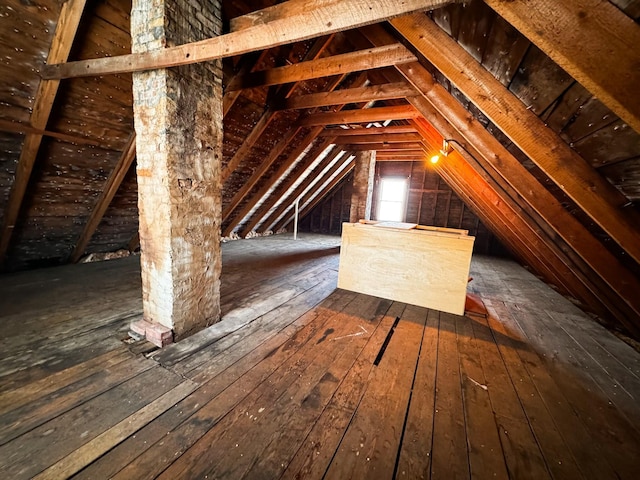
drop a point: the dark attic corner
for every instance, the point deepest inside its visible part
(319, 239)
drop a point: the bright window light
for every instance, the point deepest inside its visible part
(391, 199)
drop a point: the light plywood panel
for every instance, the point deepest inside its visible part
(420, 267)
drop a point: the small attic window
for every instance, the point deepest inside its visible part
(392, 199)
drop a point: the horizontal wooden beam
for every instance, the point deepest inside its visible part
(342, 132)
(388, 91)
(284, 23)
(381, 138)
(408, 153)
(367, 115)
(579, 180)
(390, 147)
(592, 40)
(386, 56)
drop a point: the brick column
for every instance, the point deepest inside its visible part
(363, 178)
(178, 122)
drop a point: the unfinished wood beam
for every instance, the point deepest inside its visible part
(391, 138)
(389, 147)
(269, 115)
(265, 219)
(368, 59)
(592, 40)
(502, 165)
(284, 23)
(109, 190)
(581, 182)
(367, 115)
(12, 127)
(68, 21)
(342, 132)
(350, 95)
(250, 140)
(268, 185)
(279, 148)
(247, 64)
(529, 200)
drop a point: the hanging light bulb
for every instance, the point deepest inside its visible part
(435, 159)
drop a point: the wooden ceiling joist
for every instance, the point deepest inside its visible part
(592, 40)
(247, 64)
(381, 138)
(586, 187)
(270, 113)
(391, 147)
(387, 91)
(12, 127)
(367, 115)
(287, 22)
(68, 21)
(369, 59)
(109, 190)
(342, 132)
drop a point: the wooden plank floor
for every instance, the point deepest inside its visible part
(302, 380)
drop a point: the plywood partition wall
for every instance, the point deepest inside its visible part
(420, 267)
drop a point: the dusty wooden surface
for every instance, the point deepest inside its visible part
(306, 381)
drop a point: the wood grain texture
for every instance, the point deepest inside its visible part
(589, 39)
(351, 95)
(366, 115)
(598, 198)
(311, 19)
(428, 269)
(381, 57)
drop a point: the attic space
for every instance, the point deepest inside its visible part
(182, 187)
